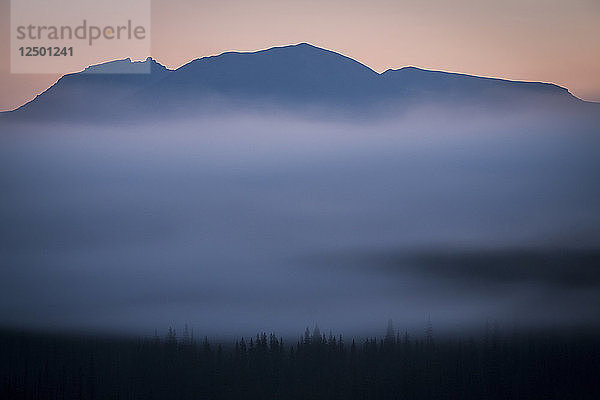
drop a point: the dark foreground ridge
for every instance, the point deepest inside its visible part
(34, 366)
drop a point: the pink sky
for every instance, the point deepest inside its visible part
(539, 40)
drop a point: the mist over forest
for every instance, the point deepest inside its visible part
(274, 222)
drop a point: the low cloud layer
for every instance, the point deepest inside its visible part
(257, 223)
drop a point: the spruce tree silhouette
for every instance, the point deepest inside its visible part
(48, 367)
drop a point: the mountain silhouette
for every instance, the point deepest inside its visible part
(295, 77)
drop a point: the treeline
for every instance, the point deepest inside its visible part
(317, 366)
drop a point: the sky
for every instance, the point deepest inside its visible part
(539, 40)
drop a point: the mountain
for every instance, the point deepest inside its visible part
(96, 92)
(295, 78)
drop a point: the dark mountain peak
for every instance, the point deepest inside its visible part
(408, 68)
(298, 57)
(126, 66)
(102, 85)
(291, 73)
(454, 83)
(304, 45)
(303, 49)
(294, 76)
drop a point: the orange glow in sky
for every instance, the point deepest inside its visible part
(537, 40)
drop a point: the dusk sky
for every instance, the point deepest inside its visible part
(299, 199)
(550, 40)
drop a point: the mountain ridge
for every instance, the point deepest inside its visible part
(291, 76)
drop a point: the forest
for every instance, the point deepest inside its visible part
(315, 366)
